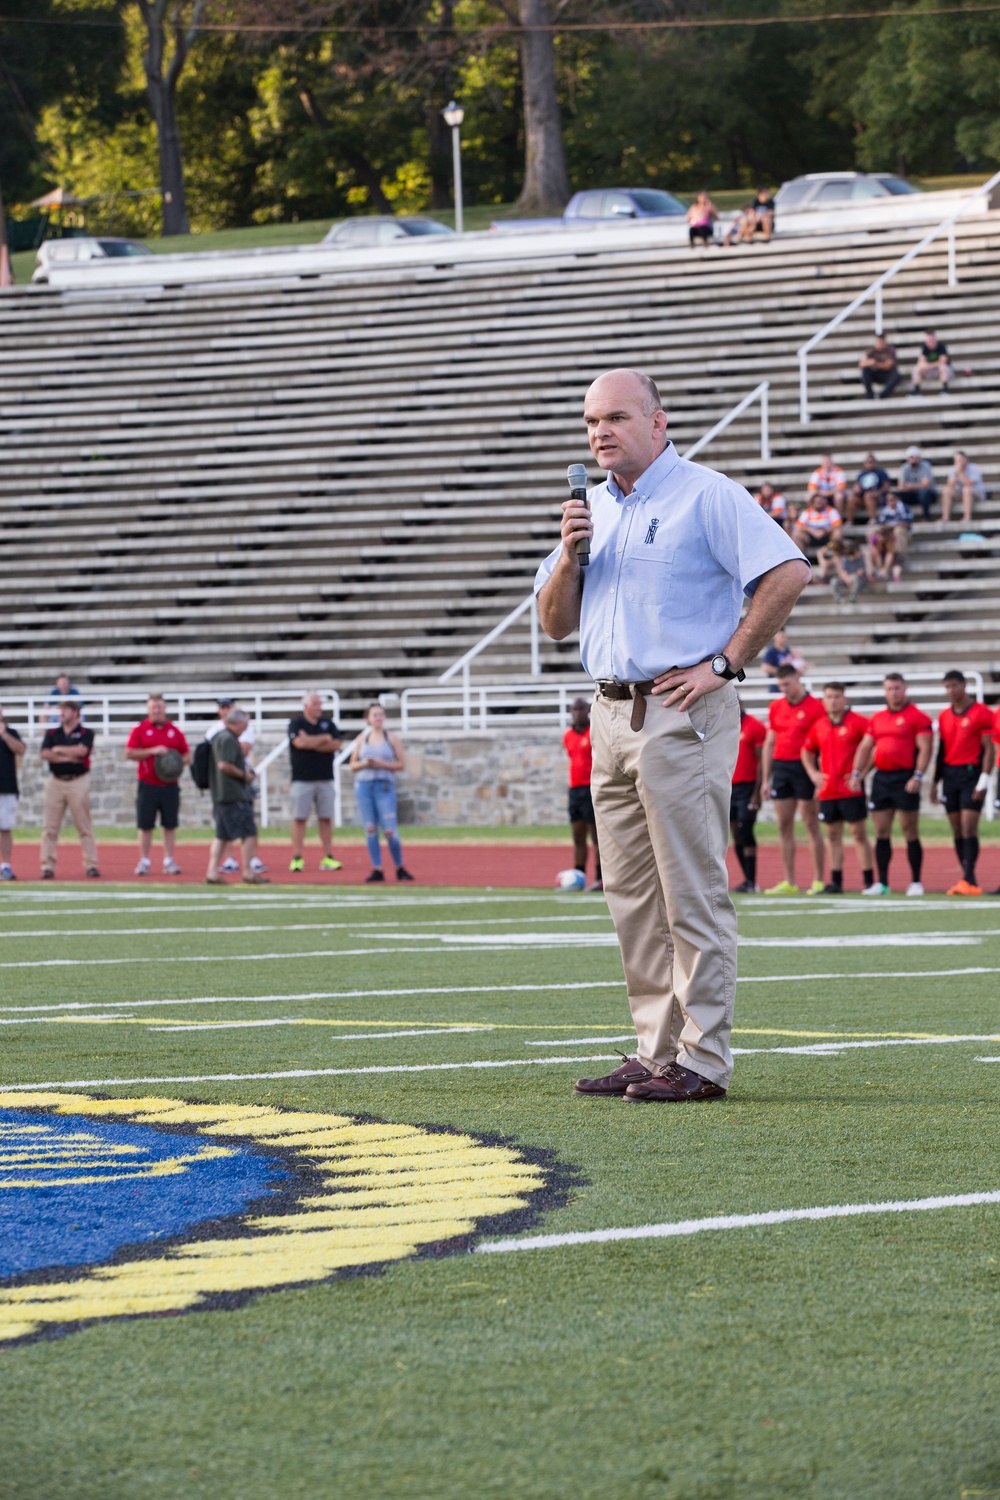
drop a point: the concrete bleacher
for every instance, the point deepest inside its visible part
(353, 476)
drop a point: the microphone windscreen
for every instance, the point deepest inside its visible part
(576, 476)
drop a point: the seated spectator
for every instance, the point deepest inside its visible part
(853, 573)
(872, 486)
(932, 360)
(762, 209)
(879, 366)
(828, 557)
(701, 217)
(916, 484)
(816, 524)
(781, 653)
(741, 230)
(774, 503)
(897, 517)
(827, 483)
(966, 480)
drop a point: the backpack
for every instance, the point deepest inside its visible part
(201, 765)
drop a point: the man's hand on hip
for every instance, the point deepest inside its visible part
(685, 685)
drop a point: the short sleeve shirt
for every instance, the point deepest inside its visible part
(972, 474)
(69, 770)
(312, 765)
(8, 765)
(895, 736)
(144, 736)
(913, 475)
(578, 748)
(752, 735)
(835, 745)
(961, 734)
(791, 723)
(872, 479)
(885, 356)
(940, 351)
(821, 518)
(226, 746)
(826, 481)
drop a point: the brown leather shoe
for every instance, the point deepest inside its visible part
(674, 1087)
(631, 1071)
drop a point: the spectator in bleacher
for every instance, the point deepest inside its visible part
(61, 689)
(314, 740)
(701, 217)
(932, 360)
(916, 484)
(852, 574)
(763, 211)
(232, 801)
(816, 524)
(887, 548)
(66, 750)
(11, 750)
(774, 503)
(872, 485)
(965, 480)
(879, 365)
(377, 756)
(827, 558)
(781, 653)
(827, 483)
(248, 738)
(741, 228)
(153, 795)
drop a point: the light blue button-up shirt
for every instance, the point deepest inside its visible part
(669, 566)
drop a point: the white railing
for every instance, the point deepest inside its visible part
(759, 392)
(113, 712)
(875, 289)
(263, 768)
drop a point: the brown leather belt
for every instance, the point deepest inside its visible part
(619, 691)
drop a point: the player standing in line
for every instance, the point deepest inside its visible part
(790, 719)
(965, 758)
(899, 740)
(745, 798)
(828, 756)
(576, 742)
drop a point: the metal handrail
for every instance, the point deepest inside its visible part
(109, 711)
(338, 799)
(759, 391)
(876, 289)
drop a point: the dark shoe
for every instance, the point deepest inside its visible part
(215, 880)
(745, 888)
(93, 873)
(402, 873)
(48, 874)
(832, 890)
(256, 878)
(374, 878)
(616, 1082)
(678, 1085)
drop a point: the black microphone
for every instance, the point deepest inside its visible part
(576, 478)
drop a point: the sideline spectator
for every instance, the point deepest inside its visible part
(248, 738)
(774, 503)
(827, 483)
(146, 744)
(890, 541)
(932, 360)
(879, 365)
(872, 486)
(828, 756)
(66, 750)
(377, 756)
(61, 689)
(314, 740)
(965, 759)
(576, 743)
(899, 742)
(701, 217)
(744, 801)
(966, 480)
(232, 801)
(916, 484)
(815, 525)
(11, 750)
(790, 719)
(779, 653)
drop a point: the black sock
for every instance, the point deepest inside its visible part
(867, 879)
(959, 842)
(750, 865)
(915, 854)
(971, 855)
(740, 853)
(579, 866)
(837, 879)
(883, 856)
(597, 871)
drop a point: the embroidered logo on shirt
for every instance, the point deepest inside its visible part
(651, 531)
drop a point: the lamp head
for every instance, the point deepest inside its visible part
(453, 114)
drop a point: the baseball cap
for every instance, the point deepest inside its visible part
(913, 451)
(225, 701)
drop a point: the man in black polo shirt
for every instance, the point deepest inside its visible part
(313, 740)
(67, 751)
(11, 749)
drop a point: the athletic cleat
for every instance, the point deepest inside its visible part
(329, 863)
(143, 867)
(783, 888)
(48, 874)
(229, 867)
(297, 864)
(375, 878)
(171, 867)
(914, 888)
(258, 865)
(816, 889)
(6, 873)
(965, 888)
(876, 890)
(402, 873)
(745, 888)
(832, 890)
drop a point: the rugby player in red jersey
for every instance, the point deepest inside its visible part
(790, 719)
(745, 800)
(965, 758)
(899, 740)
(828, 756)
(576, 743)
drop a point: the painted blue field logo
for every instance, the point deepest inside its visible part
(116, 1208)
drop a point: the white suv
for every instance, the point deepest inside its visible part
(77, 251)
(839, 190)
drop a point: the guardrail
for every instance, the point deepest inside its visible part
(264, 767)
(109, 711)
(875, 289)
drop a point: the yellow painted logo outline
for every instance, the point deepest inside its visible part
(361, 1193)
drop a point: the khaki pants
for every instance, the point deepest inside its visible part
(60, 795)
(661, 797)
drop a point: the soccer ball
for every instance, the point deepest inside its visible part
(571, 880)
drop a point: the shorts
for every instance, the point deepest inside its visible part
(957, 787)
(234, 821)
(307, 795)
(889, 790)
(703, 232)
(581, 805)
(150, 800)
(843, 809)
(8, 812)
(789, 778)
(740, 810)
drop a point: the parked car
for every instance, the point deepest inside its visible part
(380, 229)
(81, 249)
(595, 204)
(834, 189)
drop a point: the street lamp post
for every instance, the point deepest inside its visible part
(453, 116)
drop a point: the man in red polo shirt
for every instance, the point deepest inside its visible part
(828, 756)
(965, 758)
(576, 742)
(790, 719)
(899, 741)
(147, 742)
(744, 802)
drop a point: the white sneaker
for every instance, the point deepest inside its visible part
(143, 867)
(171, 867)
(914, 888)
(229, 867)
(258, 866)
(876, 890)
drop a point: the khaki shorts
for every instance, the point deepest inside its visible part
(307, 795)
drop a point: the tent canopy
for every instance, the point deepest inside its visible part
(58, 198)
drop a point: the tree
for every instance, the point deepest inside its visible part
(546, 185)
(161, 85)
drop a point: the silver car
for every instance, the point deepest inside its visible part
(838, 189)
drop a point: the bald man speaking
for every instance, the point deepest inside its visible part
(674, 549)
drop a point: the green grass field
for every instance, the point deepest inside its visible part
(817, 1359)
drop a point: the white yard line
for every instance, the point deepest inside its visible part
(811, 1049)
(534, 940)
(235, 929)
(684, 1227)
(350, 1036)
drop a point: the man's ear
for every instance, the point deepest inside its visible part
(660, 422)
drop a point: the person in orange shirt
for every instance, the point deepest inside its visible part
(965, 759)
(576, 742)
(899, 742)
(790, 718)
(745, 799)
(828, 756)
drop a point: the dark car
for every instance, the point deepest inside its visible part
(380, 229)
(837, 189)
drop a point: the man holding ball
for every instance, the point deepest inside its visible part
(674, 549)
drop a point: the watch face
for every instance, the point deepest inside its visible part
(719, 665)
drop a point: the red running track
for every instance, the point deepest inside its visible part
(473, 865)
